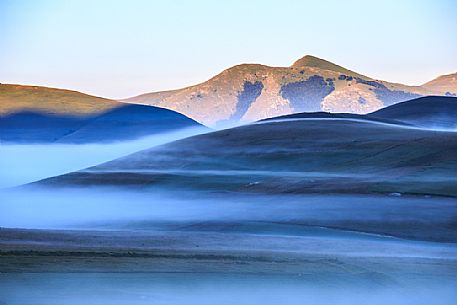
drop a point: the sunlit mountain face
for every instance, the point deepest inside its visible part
(250, 92)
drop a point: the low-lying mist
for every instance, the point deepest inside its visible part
(441, 123)
(22, 164)
(208, 289)
(420, 218)
(372, 232)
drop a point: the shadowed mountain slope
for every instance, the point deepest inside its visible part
(45, 115)
(430, 112)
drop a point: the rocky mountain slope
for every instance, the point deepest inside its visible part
(250, 92)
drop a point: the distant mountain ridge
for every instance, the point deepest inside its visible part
(249, 92)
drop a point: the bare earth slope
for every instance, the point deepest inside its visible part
(249, 92)
(445, 84)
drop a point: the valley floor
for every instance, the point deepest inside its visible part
(185, 267)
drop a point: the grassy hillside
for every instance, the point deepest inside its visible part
(291, 156)
(16, 98)
(312, 61)
(445, 84)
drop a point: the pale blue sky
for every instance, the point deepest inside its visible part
(119, 49)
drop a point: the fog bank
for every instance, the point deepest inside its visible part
(22, 164)
(210, 289)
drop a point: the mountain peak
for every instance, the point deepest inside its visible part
(309, 61)
(248, 92)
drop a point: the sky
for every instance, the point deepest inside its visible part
(119, 49)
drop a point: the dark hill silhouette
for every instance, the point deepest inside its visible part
(328, 115)
(429, 111)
